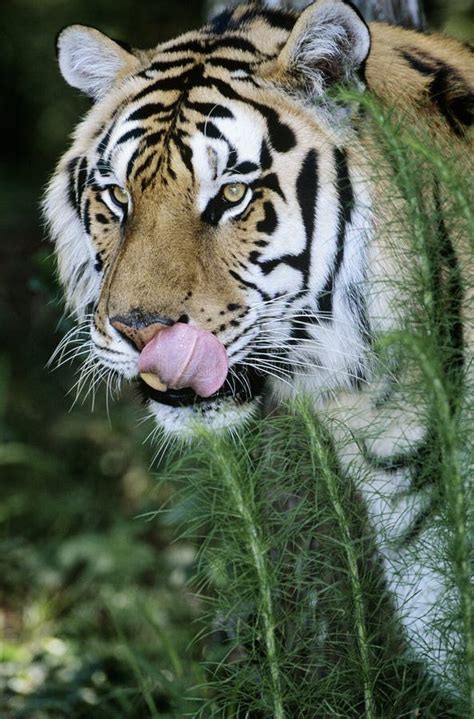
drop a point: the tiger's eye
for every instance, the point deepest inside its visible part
(119, 195)
(234, 191)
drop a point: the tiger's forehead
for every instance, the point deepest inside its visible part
(166, 111)
(209, 132)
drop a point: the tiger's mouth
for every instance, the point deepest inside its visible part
(243, 384)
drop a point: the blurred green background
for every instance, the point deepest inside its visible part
(96, 616)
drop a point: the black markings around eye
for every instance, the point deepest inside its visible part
(232, 197)
(119, 196)
(117, 200)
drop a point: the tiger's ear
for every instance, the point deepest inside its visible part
(91, 61)
(328, 45)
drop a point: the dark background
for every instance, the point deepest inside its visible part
(93, 597)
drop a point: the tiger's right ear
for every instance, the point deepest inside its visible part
(91, 61)
(328, 45)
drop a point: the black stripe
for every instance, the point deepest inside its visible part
(269, 182)
(447, 90)
(346, 203)
(81, 180)
(418, 64)
(306, 193)
(153, 138)
(393, 463)
(178, 83)
(265, 156)
(244, 168)
(102, 146)
(131, 162)
(206, 45)
(229, 64)
(270, 221)
(232, 158)
(166, 65)
(210, 110)
(71, 181)
(456, 106)
(86, 220)
(103, 167)
(187, 46)
(214, 210)
(171, 172)
(298, 333)
(131, 135)
(281, 135)
(99, 262)
(208, 129)
(278, 18)
(249, 285)
(145, 111)
(235, 43)
(81, 271)
(226, 21)
(144, 165)
(185, 153)
(358, 306)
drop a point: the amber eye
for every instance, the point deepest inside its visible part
(119, 196)
(234, 191)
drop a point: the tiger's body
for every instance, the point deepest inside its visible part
(291, 277)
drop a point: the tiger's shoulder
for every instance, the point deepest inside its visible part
(430, 77)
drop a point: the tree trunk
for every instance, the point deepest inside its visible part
(408, 13)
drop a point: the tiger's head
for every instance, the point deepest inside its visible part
(213, 208)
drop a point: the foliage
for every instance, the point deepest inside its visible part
(84, 584)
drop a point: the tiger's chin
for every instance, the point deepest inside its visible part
(183, 411)
(221, 415)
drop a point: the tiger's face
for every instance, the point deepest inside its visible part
(204, 191)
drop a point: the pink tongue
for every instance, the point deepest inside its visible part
(185, 356)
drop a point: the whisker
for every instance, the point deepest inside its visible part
(268, 369)
(167, 441)
(76, 335)
(325, 368)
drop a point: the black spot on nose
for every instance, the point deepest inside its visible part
(138, 328)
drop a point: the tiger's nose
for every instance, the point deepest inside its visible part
(139, 328)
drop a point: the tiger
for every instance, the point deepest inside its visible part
(219, 205)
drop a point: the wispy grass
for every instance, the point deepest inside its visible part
(437, 188)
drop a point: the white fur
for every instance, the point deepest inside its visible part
(220, 416)
(74, 253)
(90, 60)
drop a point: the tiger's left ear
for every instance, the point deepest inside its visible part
(92, 61)
(328, 45)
